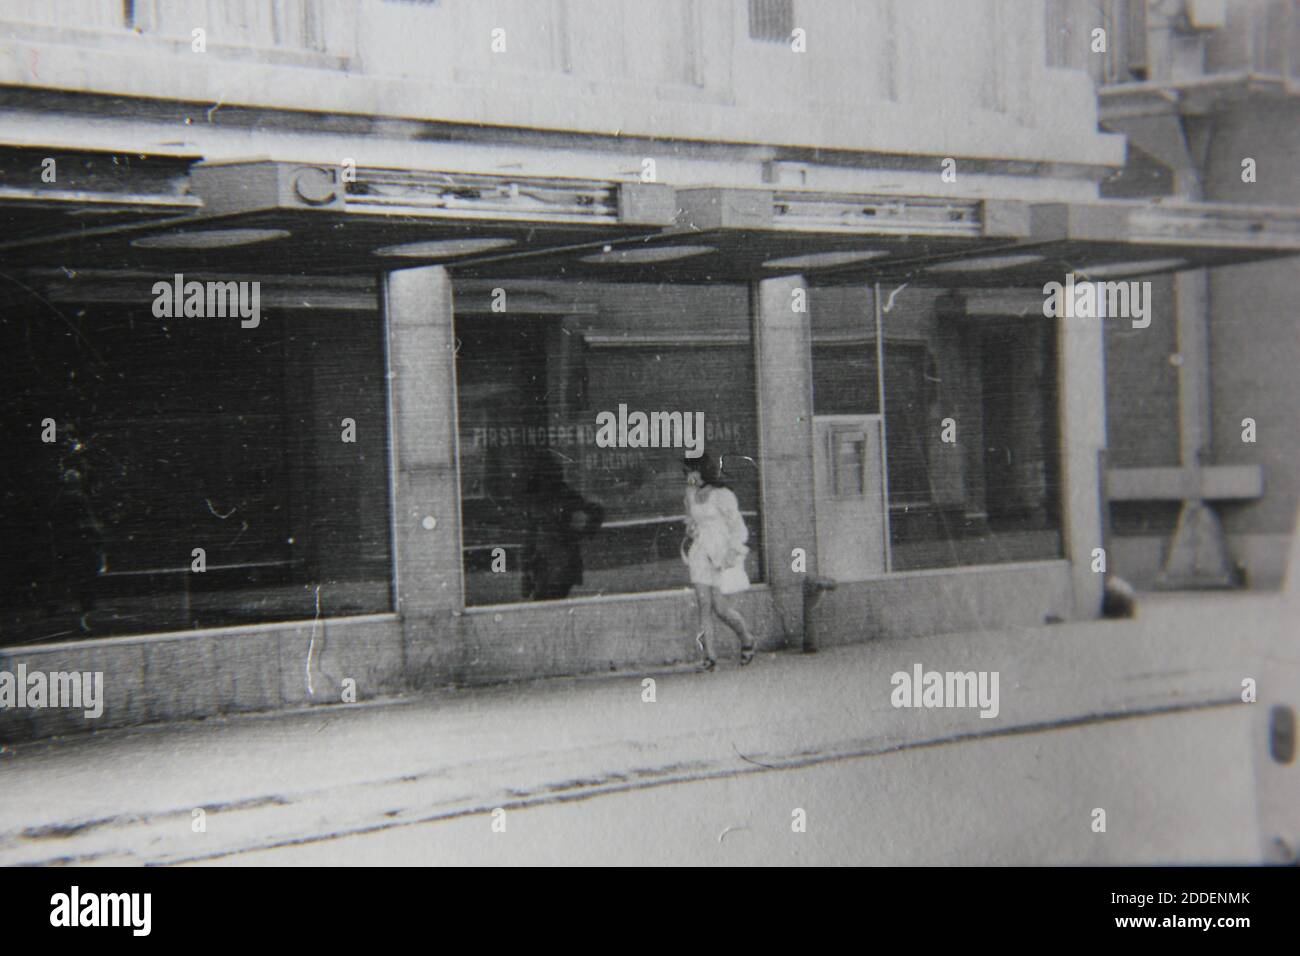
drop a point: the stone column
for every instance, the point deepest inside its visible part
(426, 499)
(1082, 417)
(783, 345)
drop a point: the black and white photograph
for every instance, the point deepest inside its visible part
(650, 433)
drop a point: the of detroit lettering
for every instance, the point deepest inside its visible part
(652, 430)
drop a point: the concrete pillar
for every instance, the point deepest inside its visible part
(783, 346)
(426, 508)
(1198, 553)
(1191, 291)
(1082, 417)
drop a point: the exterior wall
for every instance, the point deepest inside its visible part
(980, 88)
(589, 636)
(1254, 341)
(1253, 347)
(1174, 40)
(945, 601)
(1142, 385)
(185, 676)
(1142, 431)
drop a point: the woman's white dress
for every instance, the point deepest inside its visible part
(719, 532)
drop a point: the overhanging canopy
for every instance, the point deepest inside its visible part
(263, 217)
(743, 235)
(50, 197)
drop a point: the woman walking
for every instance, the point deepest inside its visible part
(716, 555)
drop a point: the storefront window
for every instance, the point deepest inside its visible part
(844, 359)
(969, 424)
(554, 508)
(970, 415)
(264, 448)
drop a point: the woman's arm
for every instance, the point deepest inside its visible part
(729, 508)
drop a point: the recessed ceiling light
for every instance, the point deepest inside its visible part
(1103, 269)
(209, 238)
(822, 260)
(442, 248)
(980, 263)
(643, 254)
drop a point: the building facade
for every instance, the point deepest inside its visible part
(1201, 417)
(313, 311)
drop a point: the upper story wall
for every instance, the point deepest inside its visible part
(925, 77)
(1174, 40)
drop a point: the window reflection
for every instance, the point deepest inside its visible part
(970, 422)
(547, 512)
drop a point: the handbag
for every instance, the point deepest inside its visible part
(733, 580)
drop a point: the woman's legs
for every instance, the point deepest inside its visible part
(704, 605)
(732, 618)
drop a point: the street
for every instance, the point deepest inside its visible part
(1174, 789)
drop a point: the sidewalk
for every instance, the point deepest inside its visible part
(130, 795)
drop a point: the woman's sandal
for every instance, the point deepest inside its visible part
(747, 652)
(709, 662)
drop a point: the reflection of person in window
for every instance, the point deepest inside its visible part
(716, 555)
(558, 519)
(75, 539)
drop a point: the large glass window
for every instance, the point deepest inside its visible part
(264, 447)
(547, 511)
(970, 421)
(970, 415)
(844, 355)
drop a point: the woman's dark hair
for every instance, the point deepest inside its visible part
(709, 466)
